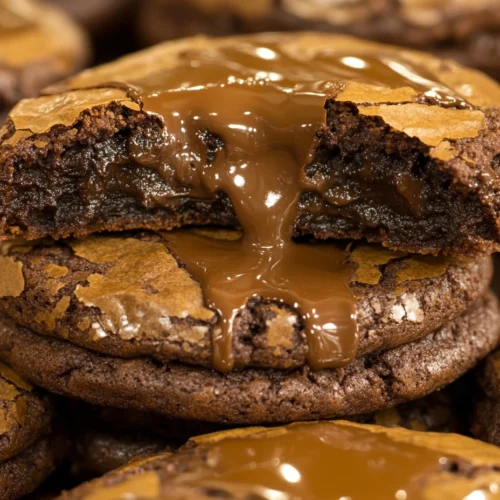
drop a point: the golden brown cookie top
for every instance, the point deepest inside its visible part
(139, 286)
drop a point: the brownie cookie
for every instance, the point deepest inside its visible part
(25, 414)
(406, 154)
(437, 412)
(467, 32)
(128, 296)
(309, 460)
(249, 396)
(38, 45)
(30, 449)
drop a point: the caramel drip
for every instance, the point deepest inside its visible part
(321, 461)
(261, 108)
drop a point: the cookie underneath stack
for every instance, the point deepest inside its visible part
(69, 294)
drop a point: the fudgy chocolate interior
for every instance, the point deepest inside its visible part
(91, 181)
(369, 185)
(381, 185)
(378, 184)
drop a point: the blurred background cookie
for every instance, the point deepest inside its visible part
(39, 45)
(466, 31)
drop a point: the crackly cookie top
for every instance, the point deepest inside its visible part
(310, 460)
(134, 290)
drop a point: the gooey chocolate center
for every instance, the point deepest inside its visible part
(263, 106)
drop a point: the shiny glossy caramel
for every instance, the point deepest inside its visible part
(259, 108)
(321, 461)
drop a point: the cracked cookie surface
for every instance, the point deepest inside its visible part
(252, 395)
(129, 296)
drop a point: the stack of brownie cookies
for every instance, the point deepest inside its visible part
(252, 230)
(465, 31)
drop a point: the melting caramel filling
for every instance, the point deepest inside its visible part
(262, 107)
(322, 461)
